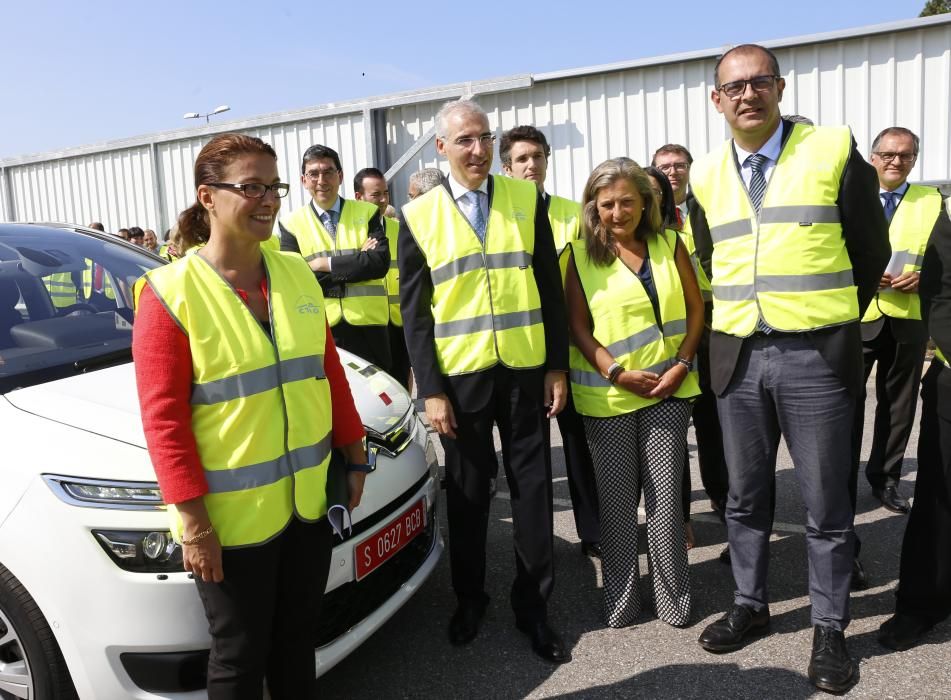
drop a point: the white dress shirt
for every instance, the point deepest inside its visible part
(770, 149)
(459, 193)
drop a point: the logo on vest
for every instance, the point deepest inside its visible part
(518, 214)
(307, 305)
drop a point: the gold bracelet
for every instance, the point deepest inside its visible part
(199, 537)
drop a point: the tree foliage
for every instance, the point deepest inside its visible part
(935, 7)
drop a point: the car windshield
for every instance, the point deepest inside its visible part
(65, 302)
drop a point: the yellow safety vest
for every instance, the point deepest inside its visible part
(565, 218)
(789, 264)
(908, 233)
(941, 357)
(261, 410)
(107, 289)
(62, 289)
(686, 234)
(363, 303)
(624, 323)
(485, 303)
(393, 276)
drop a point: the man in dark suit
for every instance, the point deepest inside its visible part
(893, 334)
(344, 242)
(793, 265)
(924, 584)
(484, 318)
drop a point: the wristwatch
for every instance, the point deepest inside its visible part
(686, 363)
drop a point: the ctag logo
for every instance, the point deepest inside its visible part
(519, 215)
(307, 305)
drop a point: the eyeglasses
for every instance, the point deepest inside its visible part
(680, 166)
(255, 190)
(326, 173)
(735, 88)
(467, 142)
(902, 157)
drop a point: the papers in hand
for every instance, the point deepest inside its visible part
(896, 263)
(338, 497)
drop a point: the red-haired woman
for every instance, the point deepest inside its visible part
(240, 423)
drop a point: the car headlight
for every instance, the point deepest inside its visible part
(103, 493)
(143, 552)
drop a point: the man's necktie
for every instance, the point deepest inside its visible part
(330, 223)
(757, 189)
(891, 203)
(757, 180)
(475, 215)
(679, 217)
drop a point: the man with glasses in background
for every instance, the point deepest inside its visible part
(344, 242)
(485, 324)
(797, 243)
(674, 161)
(893, 334)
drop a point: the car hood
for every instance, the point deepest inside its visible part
(105, 402)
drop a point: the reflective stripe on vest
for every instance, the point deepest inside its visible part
(686, 235)
(363, 303)
(485, 303)
(624, 323)
(261, 410)
(393, 276)
(61, 289)
(789, 264)
(565, 218)
(908, 234)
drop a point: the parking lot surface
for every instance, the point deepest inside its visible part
(410, 657)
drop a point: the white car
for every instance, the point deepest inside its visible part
(93, 597)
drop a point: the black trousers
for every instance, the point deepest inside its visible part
(372, 343)
(896, 400)
(263, 616)
(924, 584)
(581, 482)
(706, 425)
(399, 358)
(515, 406)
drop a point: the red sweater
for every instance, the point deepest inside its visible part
(163, 373)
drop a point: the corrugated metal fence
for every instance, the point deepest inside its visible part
(868, 78)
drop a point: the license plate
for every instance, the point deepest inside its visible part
(386, 542)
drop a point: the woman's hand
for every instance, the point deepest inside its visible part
(203, 559)
(637, 382)
(355, 482)
(669, 382)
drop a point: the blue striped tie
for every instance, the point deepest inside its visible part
(757, 190)
(757, 180)
(891, 203)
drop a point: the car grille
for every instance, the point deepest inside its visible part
(347, 605)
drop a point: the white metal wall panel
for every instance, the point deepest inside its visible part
(113, 187)
(867, 82)
(343, 133)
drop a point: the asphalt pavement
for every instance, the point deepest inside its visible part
(410, 656)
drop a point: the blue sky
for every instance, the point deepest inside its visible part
(84, 72)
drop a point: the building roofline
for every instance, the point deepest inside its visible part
(447, 92)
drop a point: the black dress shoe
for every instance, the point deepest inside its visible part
(902, 631)
(545, 642)
(464, 624)
(724, 556)
(831, 668)
(591, 549)
(728, 633)
(892, 500)
(859, 580)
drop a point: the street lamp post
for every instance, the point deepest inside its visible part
(216, 110)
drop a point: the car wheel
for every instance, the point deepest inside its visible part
(31, 664)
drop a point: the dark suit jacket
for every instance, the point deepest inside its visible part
(865, 231)
(904, 330)
(355, 267)
(473, 390)
(935, 291)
